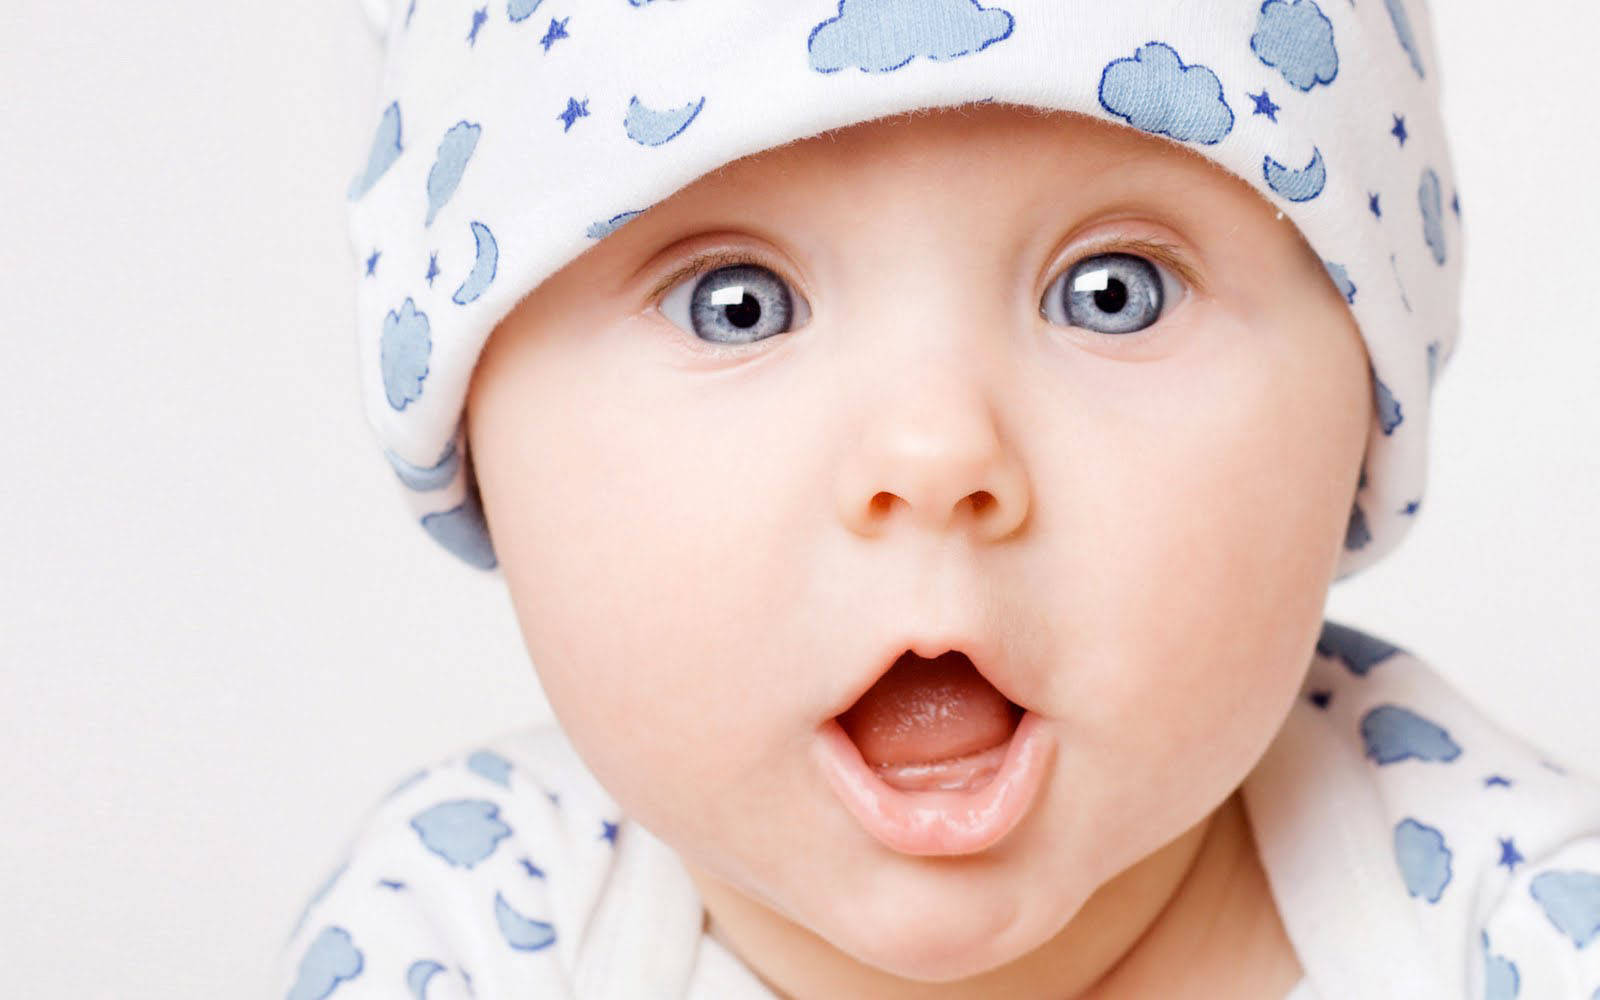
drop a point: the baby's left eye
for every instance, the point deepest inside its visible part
(1112, 293)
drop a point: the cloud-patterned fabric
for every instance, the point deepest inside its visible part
(510, 136)
(1416, 850)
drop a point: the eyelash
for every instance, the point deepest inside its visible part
(1160, 251)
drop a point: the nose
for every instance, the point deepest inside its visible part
(933, 452)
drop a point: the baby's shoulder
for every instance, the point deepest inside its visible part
(462, 878)
(1495, 844)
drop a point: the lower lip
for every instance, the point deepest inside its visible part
(939, 822)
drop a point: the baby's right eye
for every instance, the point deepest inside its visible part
(736, 304)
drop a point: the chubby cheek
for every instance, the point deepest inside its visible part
(655, 588)
(1202, 522)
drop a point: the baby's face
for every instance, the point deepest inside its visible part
(721, 518)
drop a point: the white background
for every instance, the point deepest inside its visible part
(222, 638)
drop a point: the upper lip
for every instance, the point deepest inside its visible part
(979, 646)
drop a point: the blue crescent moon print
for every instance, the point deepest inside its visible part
(600, 230)
(385, 150)
(1296, 185)
(1402, 30)
(483, 268)
(417, 976)
(649, 127)
(426, 478)
(521, 10)
(520, 932)
(1432, 223)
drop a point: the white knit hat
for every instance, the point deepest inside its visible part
(512, 136)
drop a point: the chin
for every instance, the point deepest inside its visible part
(938, 938)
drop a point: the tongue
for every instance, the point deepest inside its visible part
(923, 711)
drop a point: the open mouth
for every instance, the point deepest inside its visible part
(932, 724)
(933, 759)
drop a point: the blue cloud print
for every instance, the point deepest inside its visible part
(455, 149)
(1296, 39)
(1402, 29)
(1296, 185)
(462, 831)
(1388, 407)
(1424, 859)
(649, 127)
(484, 265)
(878, 36)
(1358, 651)
(330, 960)
(1500, 978)
(1571, 899)
(1356, 533)
(403, 353)
(1392, 733)
(385, 150)
(520, 932)
(1155, 91)
(463, 530)
(1432, 219)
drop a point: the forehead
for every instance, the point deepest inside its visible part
(996, 177)
(1002, 147)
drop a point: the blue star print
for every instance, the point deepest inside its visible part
(1509, 855)
(1455, 204)
(533, 870)
(1495, 779)
(372, 262)
(1372, 203)
(1410, 507)
(557, 29)
(574, 112)
(433, 268)
(478, 17)
(1399, 130)
(1264, 105)
(608, 831)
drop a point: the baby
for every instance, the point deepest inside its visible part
(920, 512)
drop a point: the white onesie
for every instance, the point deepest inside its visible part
(1414, 848)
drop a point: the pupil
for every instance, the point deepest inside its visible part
(1112, 297)
(745, 314)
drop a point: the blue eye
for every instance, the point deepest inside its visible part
(1113, 293)
(734, 305)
